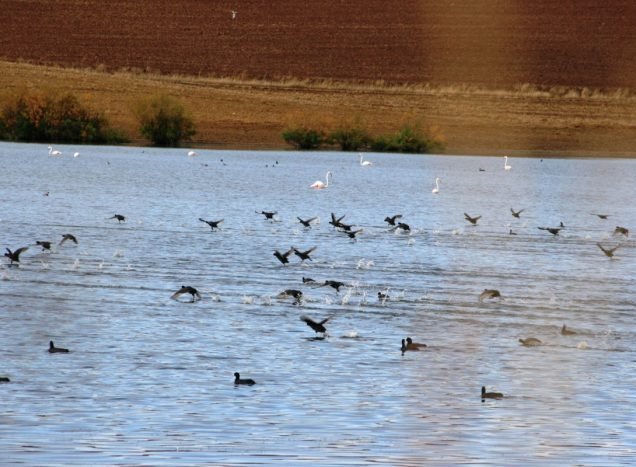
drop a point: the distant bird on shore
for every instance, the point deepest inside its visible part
(233, 13)
(609, 252)
(319, 184)
(552, 230)
(490, 395)
(506, 165)
(621, 231)
(186, 289)
(245, 381)
(306, 223)
(269, 215)
(489, 294)
(436, 189)
(54, 153)
(45, 245)
(213, 224)
(119, 217)
(14, 256)
(516, 214)
(364, 163)
(317, 326)
(303, 255)
(53, 349)
(391, 220)
(283, 257)
(70, 237)
(472, 220)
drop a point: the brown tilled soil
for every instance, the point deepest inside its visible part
(572, 55)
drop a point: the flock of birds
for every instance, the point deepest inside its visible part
(395, 225)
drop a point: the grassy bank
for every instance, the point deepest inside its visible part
(252, 114)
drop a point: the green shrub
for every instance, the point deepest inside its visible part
(304, 138)
(350, 139)
(49, 117)
(408, 139)
(163, 120)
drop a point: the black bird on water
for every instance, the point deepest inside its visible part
(14, 256)
(490, 395)
(246, 381)
(308, 280)
(4, 379)
(402, 226)
(213, 224)
(489, 293)
(335, 284)
(552, 230)
(186, 289)
(306, 223)
(303, 255)
(44, 245)
(516, 214)
(297, 294)
(268, 214)
(119, 218)
(472, 220)
(353, 233)
(53, 349)
(70, 237)
(391, 220)
(316, 326)
(283, 257)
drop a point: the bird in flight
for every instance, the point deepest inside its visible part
(609, 252)
(70, 237)
(283, 257)
(489, 293)
(14, 256)
(472, 220)
(516, 214)
(186, 289)
(317, 326)
(213, 224)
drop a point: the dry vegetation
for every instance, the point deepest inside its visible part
(455, 67)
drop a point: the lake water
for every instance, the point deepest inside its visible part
(149, 379)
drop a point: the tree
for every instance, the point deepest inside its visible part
(164, 121)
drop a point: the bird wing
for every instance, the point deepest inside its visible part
(19, 251)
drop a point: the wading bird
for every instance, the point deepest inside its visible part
(436, 189)
(54, 153)
(506, 166)
(319, 184)
(364, 163)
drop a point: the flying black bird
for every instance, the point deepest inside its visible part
(283, 257)
(247, 381)
(268, 215)
(316, 326)
(602, 216)
(516, 214)
(353, 233)
(213, 224)
(44, 245)
(70, 237)
(53, 349)
(337, 223)
(119, 217)
(186, 289)
(391, 220)
(306, 223)
(472, 220)
(552, 230)
(489, 293)
(303, 255)
(297, 294)
(402, 226)
(14, 256)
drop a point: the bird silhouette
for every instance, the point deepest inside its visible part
(269, 215)
(70, 237)
(186, 289)
(552, 230)
(401, 226)
(489, 293)
(530, 341)
(246, 381)
(472, 220)
(621, 231)
(353, 233)
(14, 256)
(490, 395)
(337, 223)
(414, 345)
(283, 257)
(333, 284)
(44, 245)
(306, 223)
(53, 349)
(303, 255)
(391, 220)
(567, 332)
(213, 224)
(609, 252)
(297, 294)
(602, 216)
(318, 327)
(308, 280)
(516, 214)
(119, 217)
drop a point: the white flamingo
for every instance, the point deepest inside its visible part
(319, 185)
(77, 154)
(506, 166)
(54, 153)
(364, 163)
(436, 189)
(192, 154)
